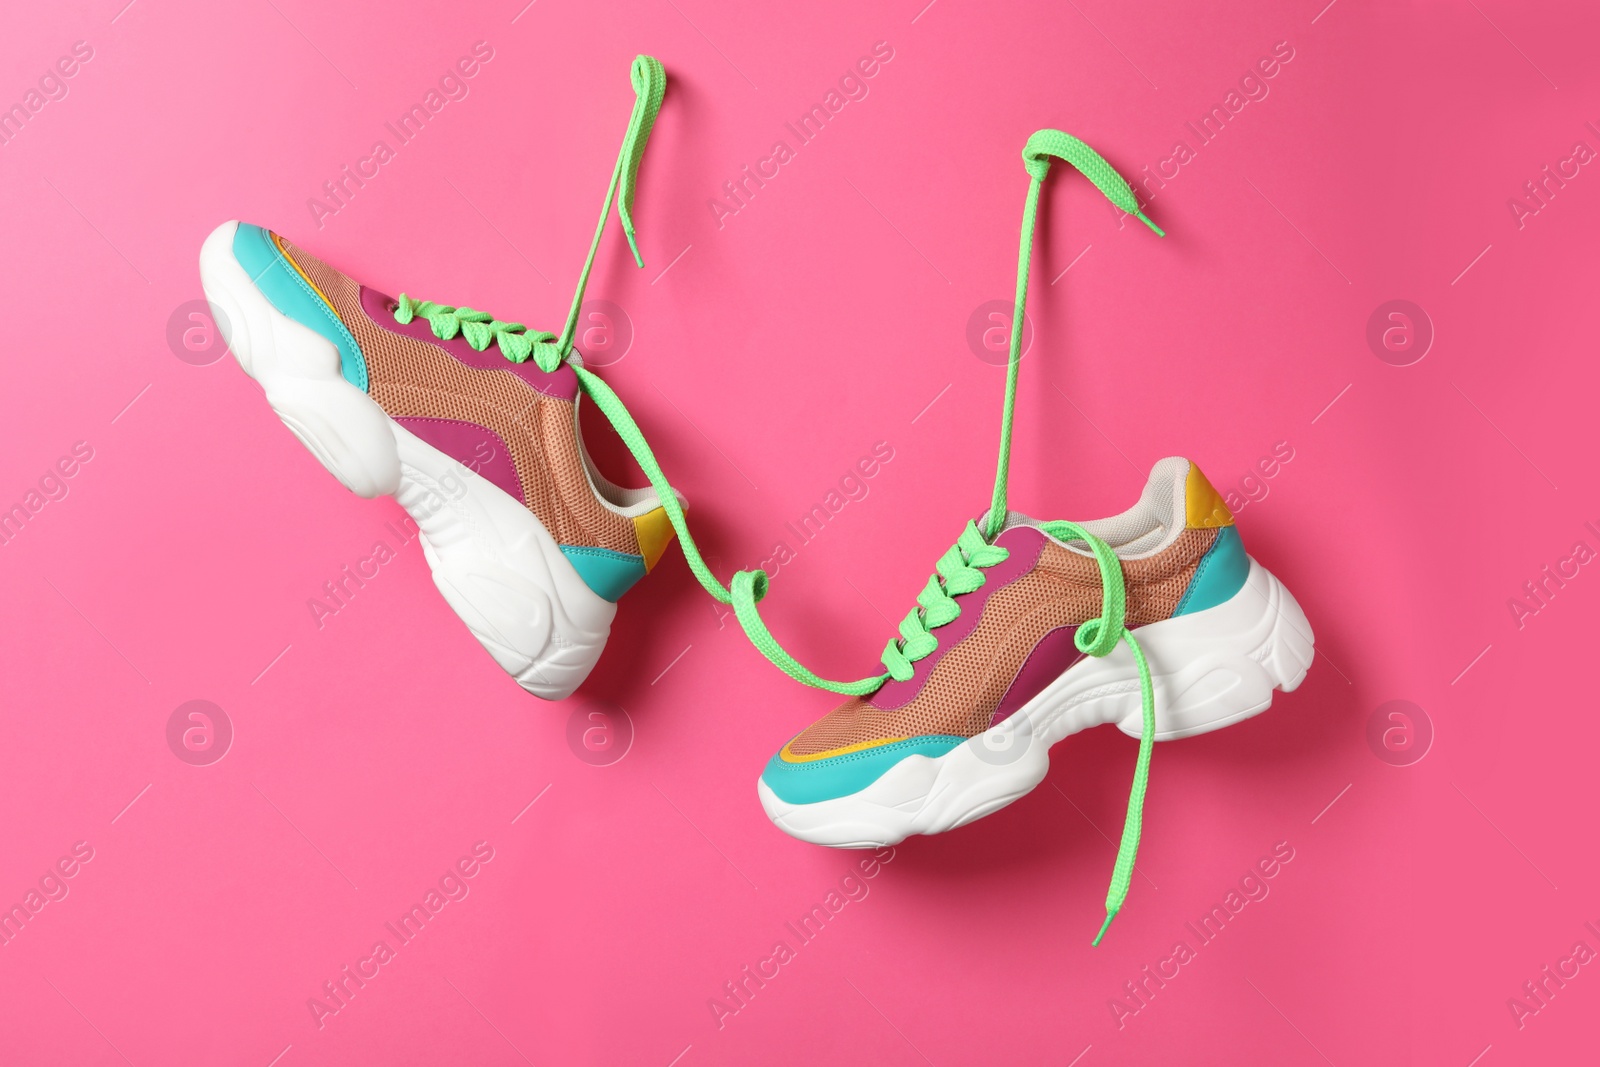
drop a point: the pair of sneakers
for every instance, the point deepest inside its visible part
(1155, 620)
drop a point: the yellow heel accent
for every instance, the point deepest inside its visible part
(1204, 504)
(654, 531)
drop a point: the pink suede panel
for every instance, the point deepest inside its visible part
(1054, 653)
(476, 447)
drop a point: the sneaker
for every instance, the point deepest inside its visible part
(969, 732)
(469, 422)
(1154, 619)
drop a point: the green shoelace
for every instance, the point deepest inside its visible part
(960, 569)
(547, 350)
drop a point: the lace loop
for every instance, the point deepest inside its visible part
(649, 87)
(1037, 153)
(1099, 637)
(1045, 144)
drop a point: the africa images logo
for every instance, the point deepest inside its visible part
(51, 86)
(53, 485)
(740, 991)
(1252, 888)
(452, 85)
(852, 86)
(453, 886)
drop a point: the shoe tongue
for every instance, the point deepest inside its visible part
(1154, 522)
(1015, 519)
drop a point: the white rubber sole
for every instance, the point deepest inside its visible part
(495, 563)
(1210, 670)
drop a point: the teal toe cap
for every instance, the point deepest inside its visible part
(807, 781)
(286, 290)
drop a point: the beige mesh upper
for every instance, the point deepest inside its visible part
(410, 378)
(969, 681)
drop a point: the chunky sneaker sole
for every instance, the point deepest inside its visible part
(519, 591)
(1210, 668)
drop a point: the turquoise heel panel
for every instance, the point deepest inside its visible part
(283, 286)
(1221, 573)
(838, 776)
(608, 573)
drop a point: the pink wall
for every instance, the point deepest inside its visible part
(771, 348)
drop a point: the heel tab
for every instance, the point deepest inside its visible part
(655, 533)
(1203, 505)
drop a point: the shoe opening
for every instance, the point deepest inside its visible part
(1147, 528)
(623, 501)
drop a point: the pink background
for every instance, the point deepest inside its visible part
(825, 316)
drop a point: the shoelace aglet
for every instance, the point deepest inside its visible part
(1142, 217)
(1103, 928)
(627, 231)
